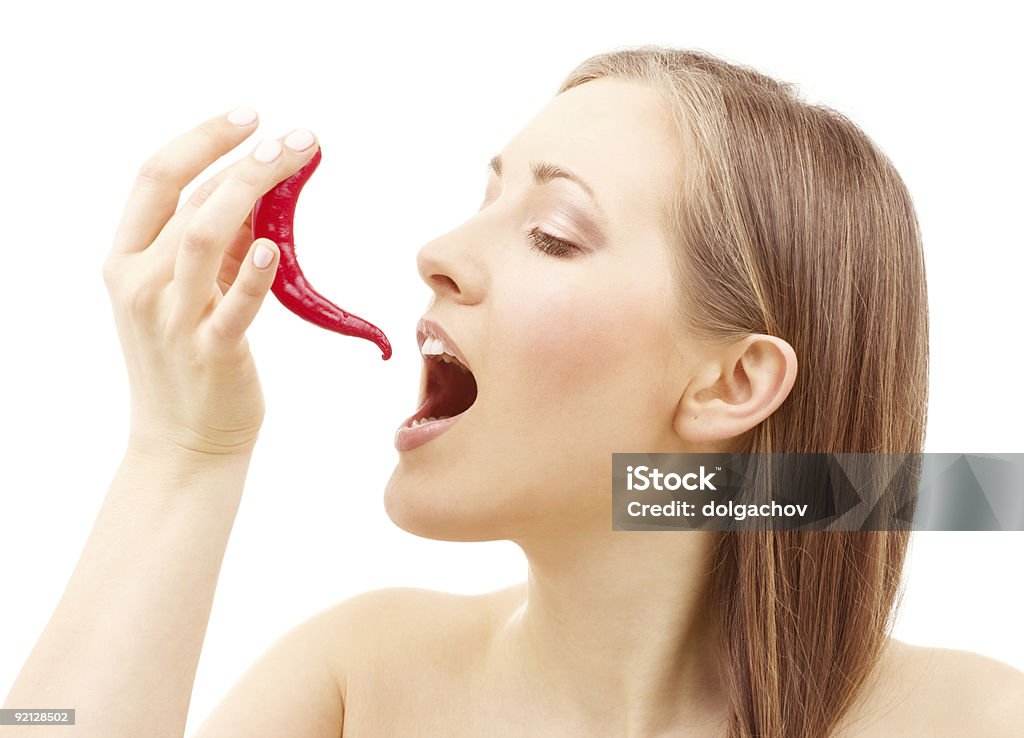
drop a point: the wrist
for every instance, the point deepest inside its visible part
(182, 444)
(156, 470)
(171, 455)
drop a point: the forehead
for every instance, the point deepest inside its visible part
(617, 135)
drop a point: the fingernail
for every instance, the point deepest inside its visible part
(242, 116)
(267, 151)
(299, 140)
(262, 256)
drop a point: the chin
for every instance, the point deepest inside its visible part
(438, 512)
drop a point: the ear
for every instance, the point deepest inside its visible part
(735, 388)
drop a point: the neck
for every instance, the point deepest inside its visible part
(615, 627)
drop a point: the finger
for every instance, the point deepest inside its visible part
(203, 242)
(164, 249)
(234, 256)
(159, 182)
(166, 244)
(233, 314)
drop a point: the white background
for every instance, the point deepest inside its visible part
(409, 103)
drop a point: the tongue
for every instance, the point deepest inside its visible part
(450, 390)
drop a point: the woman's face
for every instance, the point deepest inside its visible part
(575, 356)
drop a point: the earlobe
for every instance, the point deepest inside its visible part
(737, 388)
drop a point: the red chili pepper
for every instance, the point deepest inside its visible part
(273, 217)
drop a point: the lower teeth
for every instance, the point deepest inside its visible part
(421, 421)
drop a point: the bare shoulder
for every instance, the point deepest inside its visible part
(417, 608)
(376, 629)
(975, 694)
(940, 692)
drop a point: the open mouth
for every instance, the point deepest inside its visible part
(449, 390)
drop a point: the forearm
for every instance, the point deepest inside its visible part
(123, 644)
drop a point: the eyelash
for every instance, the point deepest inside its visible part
(550, 245)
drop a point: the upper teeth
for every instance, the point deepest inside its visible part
(435, 347)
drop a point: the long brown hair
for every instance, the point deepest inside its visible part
(808, 233)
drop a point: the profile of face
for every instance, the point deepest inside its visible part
(575, 351)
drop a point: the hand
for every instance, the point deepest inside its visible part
(184, 289)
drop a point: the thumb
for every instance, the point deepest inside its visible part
(233, 315)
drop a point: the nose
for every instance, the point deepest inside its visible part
(452, 268)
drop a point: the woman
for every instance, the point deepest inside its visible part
(675, 254)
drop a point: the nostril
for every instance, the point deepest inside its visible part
(445, 282)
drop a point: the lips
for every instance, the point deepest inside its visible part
(448, 389)
(428, 328)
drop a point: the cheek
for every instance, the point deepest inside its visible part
(583, 347)
(556, 330)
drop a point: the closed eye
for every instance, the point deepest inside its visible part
(550, 244)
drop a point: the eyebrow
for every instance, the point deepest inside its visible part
(545, 171)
